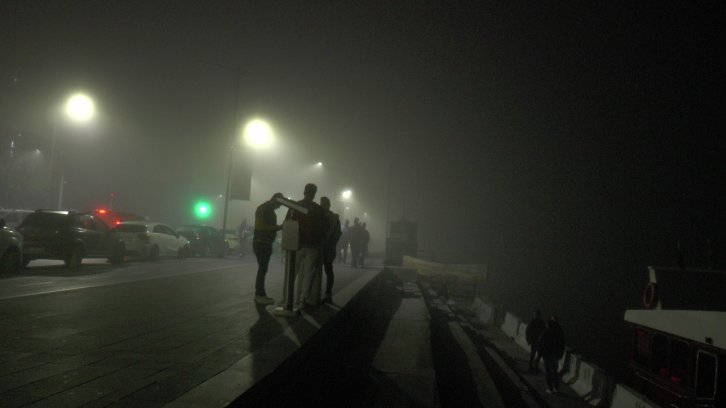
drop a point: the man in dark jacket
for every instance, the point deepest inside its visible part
(534, 329)
(312, 229)
(330, 246)
(356, 242)
(265, 233)
(552, 348)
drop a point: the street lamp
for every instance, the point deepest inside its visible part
(345, 196)
(258, 134)
(79, 108)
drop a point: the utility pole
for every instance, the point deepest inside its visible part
(238, 73)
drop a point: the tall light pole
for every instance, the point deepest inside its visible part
(237, 75)
(258, 135)
(79, 108)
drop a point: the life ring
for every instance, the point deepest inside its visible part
(650, 295)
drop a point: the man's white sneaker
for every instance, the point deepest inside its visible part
(264, 300)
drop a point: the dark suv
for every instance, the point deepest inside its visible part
(69, 236)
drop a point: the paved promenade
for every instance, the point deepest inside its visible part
(196, 340)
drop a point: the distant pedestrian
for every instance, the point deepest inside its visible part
(266, 228)
(330, 246)
(242, 234)
(365, 239)
(356, 241)
(552, 348)
(343, 242)
(534, 330)
(312, 229)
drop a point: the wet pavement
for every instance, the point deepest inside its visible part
(149, 342)
(188, 335)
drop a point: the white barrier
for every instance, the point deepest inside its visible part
(626, 397)
(588, 381)
(510, 325)
(592, 384)
(570, 374)
(521, 338)
(484, 312)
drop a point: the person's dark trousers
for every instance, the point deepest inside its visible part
(329, 277)
(553, 380)
(533, 358)
(263, 252)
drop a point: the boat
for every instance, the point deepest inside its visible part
(678, 354)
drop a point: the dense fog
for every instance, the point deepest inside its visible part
(568, 148)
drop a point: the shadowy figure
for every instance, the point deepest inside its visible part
(365, 239)
(552, 348)
(534, 330)
(330, 245)
(356, 241)
(266, 228)
(308, 266)
(242, 234)
(344, 242)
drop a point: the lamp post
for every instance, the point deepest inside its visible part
(257, 134)
(79, 108)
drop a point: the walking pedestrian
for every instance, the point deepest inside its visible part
(330, 245)
(266, 228)
(242, 233)
(312, 227)
(534, 330)
(365, 239)
(356, 240)
(344, 242)
(552, 348)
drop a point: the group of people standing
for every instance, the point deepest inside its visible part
(356, 237)
(319, 234)
(547, 342)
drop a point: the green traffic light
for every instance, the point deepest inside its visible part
(202, 210)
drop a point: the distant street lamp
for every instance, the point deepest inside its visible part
(79, 108)
(346, 196)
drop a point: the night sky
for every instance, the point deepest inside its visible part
(553, 141)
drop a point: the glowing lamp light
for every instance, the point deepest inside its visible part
(202, 210)
(258, 133)
(347, 194)
(319, 164)
(80, 108)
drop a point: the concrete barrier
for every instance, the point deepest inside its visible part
(626, 397)
(510, 325)
(570, 373)
(593, 384)
(521, 338)
(484, 312)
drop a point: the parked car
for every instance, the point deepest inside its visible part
(205, 240)
(11, 249)
(113, 218)
(69, 236)
(230, 236)
(151, 240)
(13, 217)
